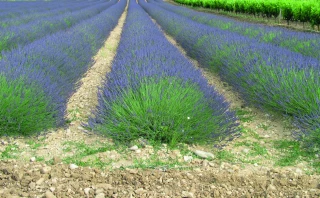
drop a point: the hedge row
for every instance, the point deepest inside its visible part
(291, 10)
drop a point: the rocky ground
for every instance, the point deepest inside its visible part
(206, 179)
(71, 162)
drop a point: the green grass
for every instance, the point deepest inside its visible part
(263, 126)
(312, 141)
(250, 133)
(184, 150)
(73, 114)
(244, 115)
(292, 152)
(226, 156)
(33, 144)
(82, 150)
(243, 143)
(165, 111)
(94, 162)
(257, 149)
(39, 158)
(11, 152)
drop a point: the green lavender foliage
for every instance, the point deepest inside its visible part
(20, 105)
(167, 111)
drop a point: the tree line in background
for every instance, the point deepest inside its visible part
(291, 10)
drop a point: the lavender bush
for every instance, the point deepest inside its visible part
(266, 75)
(26, 33)
(50, 12)
(154, 92)
(41, 76)
(305, 43)
(17, 9)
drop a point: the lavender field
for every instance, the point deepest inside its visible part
(125, 84)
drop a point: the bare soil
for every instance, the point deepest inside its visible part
(224, 180)
(72, 162)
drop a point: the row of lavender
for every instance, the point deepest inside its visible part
(16, 9)
(33, 15)
(266, 75)
(23, 34)
(37, 79)
(307, 44)
(154, 92)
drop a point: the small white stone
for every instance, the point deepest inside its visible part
(45, 170)
(138, 151)
(73, 166)
(187, 158)
(32, 159)
(272, 187)
(140, 191)
(245, 150)
(134, 148)
(187, 194)
(54, 180)
(255, 164)
(40, 181)
(49, 194)
(98, 191)
(86, 191)
(211, 164)
(203, 154)
(190, 176)
(52, 189)
(101, 195)
(299, 171)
